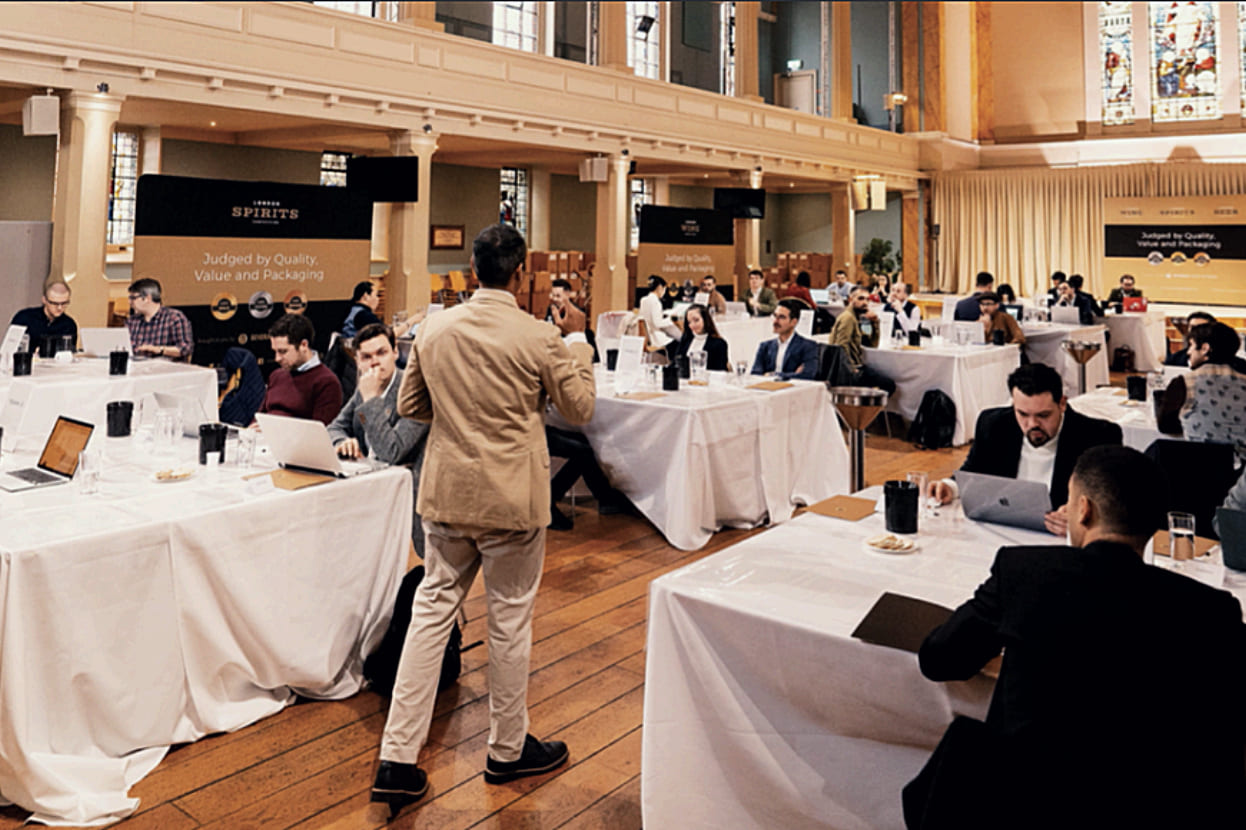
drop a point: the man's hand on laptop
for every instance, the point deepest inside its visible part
(1057, 521)
(939, 490)
(349, 448)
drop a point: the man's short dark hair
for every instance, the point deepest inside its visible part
(374, 330)
(1035, 379)
(802, 279)
(907, 286)
(656, 282)
(1126, 277)
(1058, 276)
(560, 283)
(708, 277)
(985, 278)
(1223, 339)
(1129, 490)
(497, 252)
(1076, 282)
(295, 328)
(988, 297)
(758, 272)
(793, 306)
(1199, 315)
(148, 287)
(839, 271)
(362, 289)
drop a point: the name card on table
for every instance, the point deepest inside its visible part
(628, 370)
(702, 298)
(804, 326)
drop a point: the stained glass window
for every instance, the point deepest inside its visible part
(515, 25)
(1185, 74)
(1116, 53)
(513, 209)
(124, 188)
(644, 41)
(1241, 47)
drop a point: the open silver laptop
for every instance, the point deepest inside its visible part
(301, 444)
(1004, 501)
(103, 342)
(1066, 314)
(59, 460)
(190, 408)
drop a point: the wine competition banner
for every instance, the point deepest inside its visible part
(236, 256)
(1182, 249)
(681, 244)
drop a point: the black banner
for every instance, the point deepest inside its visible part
(1140, 241)
(685, 226)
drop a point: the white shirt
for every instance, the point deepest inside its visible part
(698, 343)
(907, 322)
(782, 351)
(651, 313)
(1038, 463)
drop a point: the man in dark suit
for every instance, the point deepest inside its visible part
(1086, 308)
(1116, 297)
(788, 355)
(1038, 438)
(967, 309)
(1104, 713)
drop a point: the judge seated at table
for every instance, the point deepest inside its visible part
(908, 314)
(1070, 298)
(302, 387)
(1126, 288)
(370, 426)
(1119, 698)
(1182, 357)
(967, 309)
(788, 355)
(717, 302)
(560, 296)
(1038, 438)
(855, 328)
(760, 298)
(661, 333)
(49, 318)
(1209, 403)
(156, 329)
(701, 335)
(995, 319)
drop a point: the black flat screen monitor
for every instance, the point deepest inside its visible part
(385, 178)
(741, 202)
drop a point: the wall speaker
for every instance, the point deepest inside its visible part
(596, 169)
(41, 115)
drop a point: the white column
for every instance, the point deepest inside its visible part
(408, 285)
(610, 287)
(149, 150)
(538, 208)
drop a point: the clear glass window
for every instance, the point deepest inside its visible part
(123, 189)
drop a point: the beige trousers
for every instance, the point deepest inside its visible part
(512, 562)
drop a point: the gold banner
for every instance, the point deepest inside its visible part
(676, 263)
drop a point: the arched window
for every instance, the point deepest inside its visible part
(1185, 67)
(1117, 54)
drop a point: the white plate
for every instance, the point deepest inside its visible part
(915, 546)
(179, 474)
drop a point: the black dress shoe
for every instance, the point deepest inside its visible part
(614, 504)
(538, 757)
(559, 520)
(399, 785)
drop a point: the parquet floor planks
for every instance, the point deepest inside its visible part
(310, 766)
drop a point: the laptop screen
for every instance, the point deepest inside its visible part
(68, 438)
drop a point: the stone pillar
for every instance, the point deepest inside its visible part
(746, 61)
(422, 15)
(910, 240)
(149, 150)
(747, 240)
(841, 61)
(612, 35)
(610, 290)
(80, 211)
(661, 190)
(538, 208)
(843, 230)
(408, 285)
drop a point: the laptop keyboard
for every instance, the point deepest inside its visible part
(34, 476)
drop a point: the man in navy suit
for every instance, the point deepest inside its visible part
(789, 355)
(967, 309)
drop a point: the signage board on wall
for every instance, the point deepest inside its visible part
(680, 244)
(1187, 249)
(235, 256)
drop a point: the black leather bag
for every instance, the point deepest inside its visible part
(935, 423)
(381, 666)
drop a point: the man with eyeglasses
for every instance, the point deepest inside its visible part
(156, 329)
(49, 319)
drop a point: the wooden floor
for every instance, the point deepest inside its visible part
(311, 765)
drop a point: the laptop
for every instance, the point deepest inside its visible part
(1066, 314)
(103, 342)
(57, 462)
(1003, 501)
(1133, 304)
(191, 410)
(302, 444)
(736, 310)
(1015, 310)
(1231, 527)
(821, 296)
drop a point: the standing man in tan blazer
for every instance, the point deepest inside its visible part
(480, 373)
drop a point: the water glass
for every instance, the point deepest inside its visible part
(399, 317)
(1180, 537)
(741, 371)
(246, 448)
(700, 372)
(65, 349)
(166, 430)
(924, 503)
(88, 473)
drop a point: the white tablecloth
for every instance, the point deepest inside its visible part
(762, 712)
(1043, 345)
(83, 389)
(975, 377)
(1141, 331)
(153, 614)
(704, 458)
(1135, 418)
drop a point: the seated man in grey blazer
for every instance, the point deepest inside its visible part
(369, 424)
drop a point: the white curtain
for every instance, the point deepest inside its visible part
(1023, 224)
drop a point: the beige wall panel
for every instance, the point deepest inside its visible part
(295, 31)
(705, 109)
(572, 214)
(777, 122)
(26, 175)
(201, 14)
(589, 87)
(734, 116)
(654, 100)
(535, 77)
(429, 56)
(466, 196)
(402, 51)
(1037, 92)
(475, 66)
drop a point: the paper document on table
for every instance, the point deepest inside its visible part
(628, 369)
(849, 508)
(897, 621)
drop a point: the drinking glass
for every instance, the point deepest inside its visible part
(66, 347)
(166, 430)
(399, 318)
(246, 448)
(699, 370)
(1180, 538)
(741, 371)
(925, 504)
(88, 472)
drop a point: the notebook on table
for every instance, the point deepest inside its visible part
(59, 460)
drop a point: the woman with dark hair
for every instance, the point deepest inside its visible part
(661, 333)
(1006, 294)
(800, 290)
(701, 335)
(880, 288)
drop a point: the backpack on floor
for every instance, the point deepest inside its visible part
(1123, 359)
(381, 666)
(935, 423)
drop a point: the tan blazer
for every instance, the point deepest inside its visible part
(481, 374)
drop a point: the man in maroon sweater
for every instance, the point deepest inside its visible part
(303, 387)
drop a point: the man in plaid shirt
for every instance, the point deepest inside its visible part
(154, 329)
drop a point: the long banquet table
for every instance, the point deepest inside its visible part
(83, 389)
(974, 377)
(704, 458)
(761, 710)
(152, 613)
(1135, 418)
